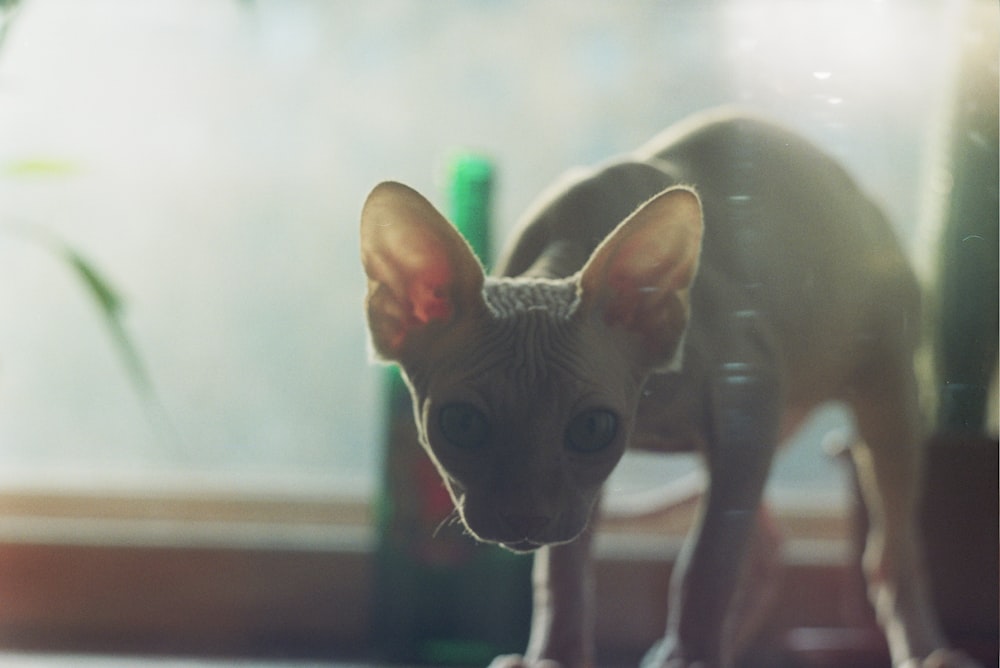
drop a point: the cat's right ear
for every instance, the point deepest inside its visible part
(637, 282)
(421, 272)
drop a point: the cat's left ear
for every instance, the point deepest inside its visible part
(637, 281)
(421, 272)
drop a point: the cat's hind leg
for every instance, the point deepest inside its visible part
(888, 460)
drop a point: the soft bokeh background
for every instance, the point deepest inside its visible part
(211, 157)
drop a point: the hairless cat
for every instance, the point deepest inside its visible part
(707, 290)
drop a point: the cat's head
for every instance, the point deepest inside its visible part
(525, 390)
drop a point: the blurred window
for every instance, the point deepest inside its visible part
(210, 158)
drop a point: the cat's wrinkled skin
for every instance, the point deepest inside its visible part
(749, 281)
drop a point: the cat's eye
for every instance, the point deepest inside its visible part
(592, 430)
(464, 425)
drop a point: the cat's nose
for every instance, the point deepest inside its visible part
(524, 525)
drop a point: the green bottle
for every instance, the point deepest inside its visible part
(441, 599)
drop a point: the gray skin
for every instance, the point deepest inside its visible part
(750, 280)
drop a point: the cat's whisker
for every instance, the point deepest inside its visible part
(451, 518)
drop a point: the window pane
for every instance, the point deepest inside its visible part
(211, 157)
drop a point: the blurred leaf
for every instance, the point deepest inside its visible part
(8, 8)
(41, 167)
(110, 307)
(100, 289)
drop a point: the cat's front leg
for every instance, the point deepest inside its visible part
(744, 428)
(562, 625)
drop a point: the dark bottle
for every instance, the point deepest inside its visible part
(441, 599)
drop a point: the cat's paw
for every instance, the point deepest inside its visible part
(943, 658)
(518, 661)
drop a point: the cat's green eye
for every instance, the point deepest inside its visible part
(464, 425)
(592, 430)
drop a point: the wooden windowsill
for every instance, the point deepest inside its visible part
(215, 575)
(332, 523)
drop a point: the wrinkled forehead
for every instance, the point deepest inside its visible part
(533, 346)
(508, 298)
(537, 351)
(532, 335)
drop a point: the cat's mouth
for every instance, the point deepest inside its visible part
(524, 546)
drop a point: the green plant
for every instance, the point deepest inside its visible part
(110, 307)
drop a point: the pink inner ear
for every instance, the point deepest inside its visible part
(623, 305)
(643, 276)
(428, 294)
(419, 270)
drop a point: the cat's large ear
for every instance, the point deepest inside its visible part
(636, 282)
(421, 272)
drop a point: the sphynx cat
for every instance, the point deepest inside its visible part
(707, 290)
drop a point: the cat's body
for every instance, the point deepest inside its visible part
(819, 276)
(662, 333)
